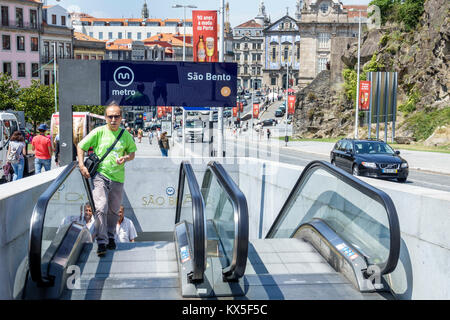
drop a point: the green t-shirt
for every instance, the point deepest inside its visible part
(101, 139)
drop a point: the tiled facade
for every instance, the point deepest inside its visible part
(20, 32)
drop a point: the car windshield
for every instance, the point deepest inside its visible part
(194, 124)
(373, 147)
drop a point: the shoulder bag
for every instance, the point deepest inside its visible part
(92, 161)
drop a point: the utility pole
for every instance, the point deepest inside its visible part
(357, 77)
(220, 141)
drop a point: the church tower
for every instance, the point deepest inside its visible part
(298, 12)
(144, 11)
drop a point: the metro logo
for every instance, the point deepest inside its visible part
(123, 76)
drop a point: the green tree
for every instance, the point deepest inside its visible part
(9, 92)
(37, 102)
(410, 13)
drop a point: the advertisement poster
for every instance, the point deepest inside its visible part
(235, 111)
(241, 107)
(255, 110)
(364, 95)
(166, 126)
(160, 112)
(204, 26)
(291, 104)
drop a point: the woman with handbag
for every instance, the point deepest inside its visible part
(16, 153)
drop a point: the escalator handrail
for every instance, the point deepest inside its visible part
(241, 232)
(198, 218)
(37, 224)
(372, 192)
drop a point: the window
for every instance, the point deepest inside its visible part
(286, 53)
(19, 17)
(34, 44)
(100, 35)
(273, 81)
(7, 67)
(245, 70)
(298, 52)
(20, 43)
(63, 20)
(78, 56)
(68, 53)
(86, 57)
(35, 70)
(33, 19)
(6, 41)
(254, 46)
(5, 16)
(110, 36)
(21, 70)
(324, 7)
(129, 36)
(149, 34)
(324, 40)
(100, 57)
(94, 58)
(274, 54)
(47, 77)
(322, 64)
(139, 35)
(53, 18)
(91, 34)
(119, 35)
(245, 57)
(61, 50)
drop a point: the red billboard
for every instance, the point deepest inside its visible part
(364, 95)
(160, 112)
(255, 110)
(204, 26)
(235, 111)
(241, 107)
(291, 104)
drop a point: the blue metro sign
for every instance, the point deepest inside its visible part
(185, 84)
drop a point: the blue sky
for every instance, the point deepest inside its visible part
(240, 10)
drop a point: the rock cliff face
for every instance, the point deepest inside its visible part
(421, 59)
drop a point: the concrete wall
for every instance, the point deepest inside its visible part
(17, 200)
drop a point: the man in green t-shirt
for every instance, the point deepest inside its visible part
(108, 181)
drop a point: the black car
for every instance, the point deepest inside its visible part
(279, 113)
(269, 122)
(371, 158)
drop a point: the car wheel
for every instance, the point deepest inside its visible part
(355, 170)
(401, 180)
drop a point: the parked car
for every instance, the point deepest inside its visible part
(371, 158)
(227, 113)
(279, 113)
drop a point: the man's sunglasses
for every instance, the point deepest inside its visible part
(114, 117)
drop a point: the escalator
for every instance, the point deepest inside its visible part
(335, 237)
(63, 264)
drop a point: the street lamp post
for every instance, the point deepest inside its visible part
(184, 59)
(357, 77)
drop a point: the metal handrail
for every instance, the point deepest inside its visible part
(370, 191)
(240, 247)
(198, 218)
(37, 224)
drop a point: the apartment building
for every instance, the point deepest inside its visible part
(88, 48)
(20, 31)
(56, 37)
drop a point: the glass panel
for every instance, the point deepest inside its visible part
(186, 204)
(69, 204)
(354, 216)
(219, 210)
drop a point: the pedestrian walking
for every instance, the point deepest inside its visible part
(109, 178)
(42, 147)
(16, 153)
(164, 144)
(268, 134)
(150, 136)
(140, 134)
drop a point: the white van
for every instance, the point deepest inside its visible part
(8, 124)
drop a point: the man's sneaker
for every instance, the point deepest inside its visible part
(101, 250)
(111, 244)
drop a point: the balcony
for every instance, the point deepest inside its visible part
(20, 25)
